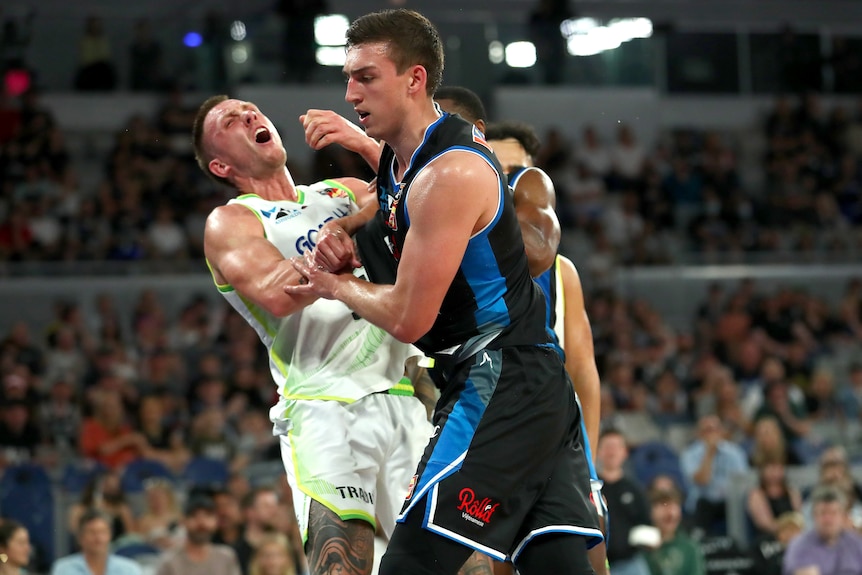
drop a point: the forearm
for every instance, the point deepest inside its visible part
(704, 472)
(377, 304)
(353, 222)
(370, 152)
(541, 232)
(585, 378)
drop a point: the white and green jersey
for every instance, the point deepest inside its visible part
(323, 351)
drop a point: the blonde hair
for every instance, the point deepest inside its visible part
(273, 539)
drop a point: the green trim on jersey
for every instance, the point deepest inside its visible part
(403, 387)
(257, 315)
(223, 288)
(341, 187)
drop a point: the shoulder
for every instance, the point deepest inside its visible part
(225, 219)
(534, 178)
(126, 564)
(226, 552)
(567, 268)
(68, 563)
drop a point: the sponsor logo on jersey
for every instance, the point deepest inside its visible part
(308, 240)
(283, 215)
(475, 510)
(392, 207)
(334, 193)
(411, 487)
(350, 492)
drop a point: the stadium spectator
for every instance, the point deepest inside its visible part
(15, 548)
(104, 494)
(768, 551)
(106, 436)
(830, 546)
(96, 70)
(710, 465)
(93, 529)
(159, 524)
(199, 556)
(773, 497)
(273, 556)
(677, 553)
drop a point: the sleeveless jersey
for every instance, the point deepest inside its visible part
(492, 297)
(322, 351)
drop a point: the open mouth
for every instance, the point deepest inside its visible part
(363, 115)
(262, 135)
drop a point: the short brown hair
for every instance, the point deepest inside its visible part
(411, 38)
(663, 496)
(203, 156)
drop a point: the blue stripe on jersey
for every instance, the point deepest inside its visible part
(544, 282)
(461, 425)
(587, 448)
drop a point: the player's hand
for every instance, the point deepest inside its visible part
(335, 249)
(313, 280)
(325, 127)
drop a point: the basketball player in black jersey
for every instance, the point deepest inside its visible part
(505, 472)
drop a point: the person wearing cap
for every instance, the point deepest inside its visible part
(199, 555)
(95, 558)
(677, 554)
(830, 546)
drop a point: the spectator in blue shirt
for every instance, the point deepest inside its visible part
(95, 558)
(710, 464)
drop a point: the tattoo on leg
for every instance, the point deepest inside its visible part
(477, 564)
(338, 547)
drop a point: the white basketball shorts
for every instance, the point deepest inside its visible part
(356, 459)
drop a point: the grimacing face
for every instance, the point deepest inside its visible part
(242, 141)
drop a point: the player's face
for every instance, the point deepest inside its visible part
(511, 154)
(242, 138)
(375, 89)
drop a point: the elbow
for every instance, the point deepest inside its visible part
(410, 329)
(279, 304)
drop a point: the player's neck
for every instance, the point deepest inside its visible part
(274, 187)
(411, 137)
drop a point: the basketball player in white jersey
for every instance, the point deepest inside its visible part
(351, 431)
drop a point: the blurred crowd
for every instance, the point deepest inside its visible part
(644, 205)
(752, 380)
(683, 198)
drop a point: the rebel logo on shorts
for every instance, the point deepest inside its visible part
(474, 510)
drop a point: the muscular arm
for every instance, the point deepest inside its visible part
(240, 255)
(440, 215)
(534, 204)
(580, 358)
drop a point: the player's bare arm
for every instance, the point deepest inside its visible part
(534, 205)
(325, 127)
(580, 357)
(441, 214)
(241, 256)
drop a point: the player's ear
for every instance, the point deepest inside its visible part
(480, 124)
(219, 168)
(418, 79)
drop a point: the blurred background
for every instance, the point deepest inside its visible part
(706, 157)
